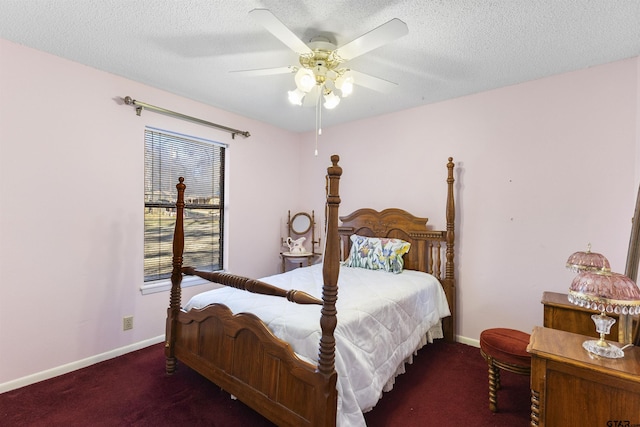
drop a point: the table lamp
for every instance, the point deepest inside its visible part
(606, 292)
(581, 261)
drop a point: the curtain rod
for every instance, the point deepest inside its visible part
(141, 105)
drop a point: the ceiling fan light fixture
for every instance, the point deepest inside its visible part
(331, 100)
(345, 84)
(305, 79)
(295, 96)
(320, 72)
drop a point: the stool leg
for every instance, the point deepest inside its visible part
(494, 382)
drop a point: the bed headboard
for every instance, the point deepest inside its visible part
(432, 251)
(392, 223)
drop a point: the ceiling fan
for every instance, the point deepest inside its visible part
(321, 72)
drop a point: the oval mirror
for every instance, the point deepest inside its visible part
(301, 223)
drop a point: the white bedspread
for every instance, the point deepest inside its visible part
(382, 318)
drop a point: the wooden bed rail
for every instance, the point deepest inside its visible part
(252, 285)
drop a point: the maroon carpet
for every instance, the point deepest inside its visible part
(446, 386)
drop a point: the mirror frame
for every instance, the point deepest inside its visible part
(296, 219)
(626, 334)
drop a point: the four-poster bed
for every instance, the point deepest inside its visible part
(296, 383)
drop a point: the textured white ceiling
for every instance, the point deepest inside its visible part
(454, 47)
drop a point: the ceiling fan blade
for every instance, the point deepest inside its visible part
(269, 21)
(375, 38)
(267, 71)
(371, 82)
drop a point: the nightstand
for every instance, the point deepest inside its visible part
(300, 226)
(296, 259)
(569, 387)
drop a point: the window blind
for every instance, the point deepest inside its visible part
(169, 156)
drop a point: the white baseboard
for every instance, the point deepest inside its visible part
(73, 366)
(468, 341)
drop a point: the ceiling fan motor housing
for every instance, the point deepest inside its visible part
(323, 61)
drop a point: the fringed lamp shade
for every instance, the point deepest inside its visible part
(587, 261)
(606, 292)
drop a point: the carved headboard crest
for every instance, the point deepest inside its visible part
(384, 221)
(379, 227)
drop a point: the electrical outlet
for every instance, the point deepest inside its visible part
(127, 323)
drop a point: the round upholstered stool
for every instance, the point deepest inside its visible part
(504, 349)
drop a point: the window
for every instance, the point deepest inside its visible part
(168, 156)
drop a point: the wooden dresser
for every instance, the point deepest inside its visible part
(570, 388)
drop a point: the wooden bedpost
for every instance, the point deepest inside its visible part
(330, 272)
(449, 323)
(176, 280)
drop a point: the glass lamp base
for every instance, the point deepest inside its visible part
(609, 351)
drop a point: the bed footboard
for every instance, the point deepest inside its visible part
(240, 354)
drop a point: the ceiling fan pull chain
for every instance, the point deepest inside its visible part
(320, 111)
(317, 124)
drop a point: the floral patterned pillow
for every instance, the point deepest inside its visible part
(376, 253)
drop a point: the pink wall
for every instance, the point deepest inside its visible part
(543, 168)
(71, 223)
